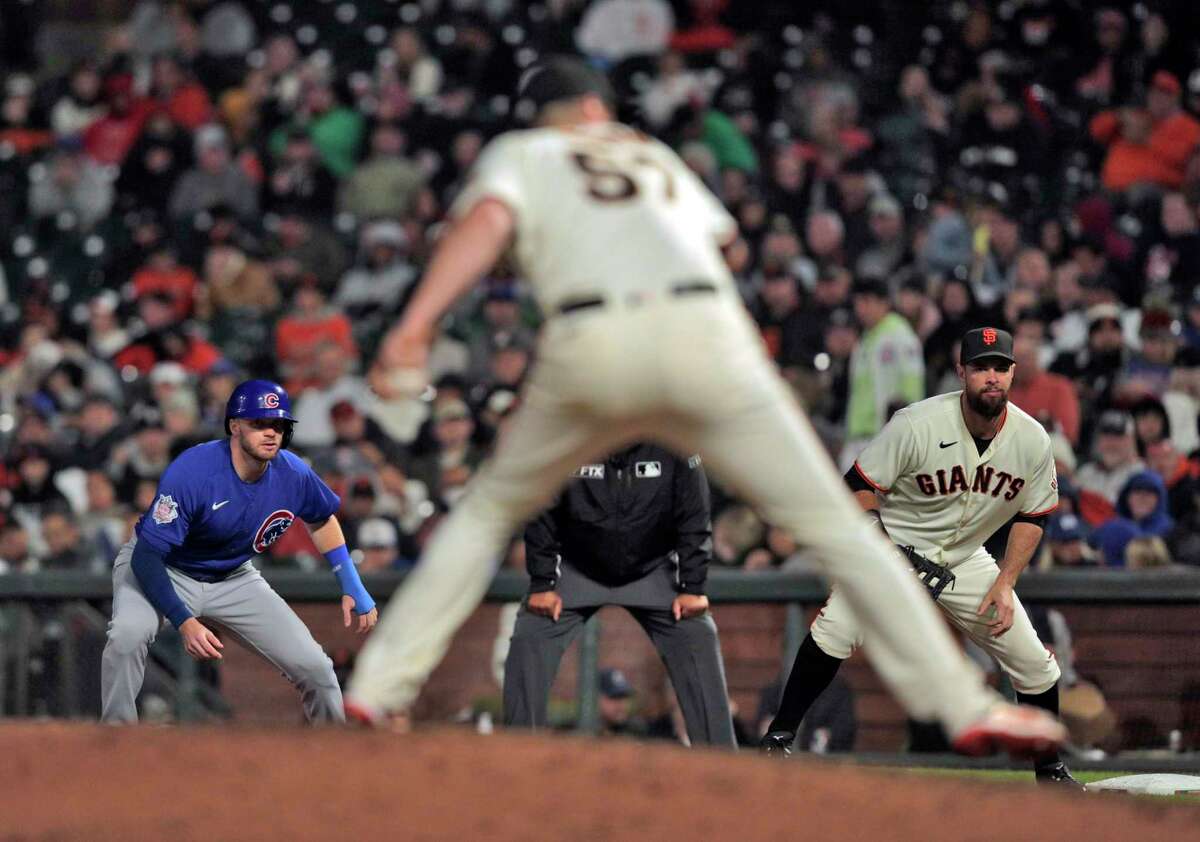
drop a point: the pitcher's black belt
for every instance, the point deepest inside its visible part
(572, 305)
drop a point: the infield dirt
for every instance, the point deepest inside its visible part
(86, 782)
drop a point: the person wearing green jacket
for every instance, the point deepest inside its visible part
(336, 131)
(887, 369)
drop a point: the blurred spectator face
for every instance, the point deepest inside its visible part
(1002, 116)
(349, 425)
(319, 98)
(1142, 503)
(180, 419)
(406, 44)
(738, 257)
(361, 499)
(66, 168)
(330, 364)
(218, 388)
(14, 543)
(1105, 335)
(1161, 104)
(281, 54)
(1003, 231)
(508, 365)
(1067, 291)
(85, 83)
(833, 287)
(780, 294)
(1050, 236)
(452, 427)
(781, 246)
(869, 309)
(788, 170)
(1135, 125)
(101, 494)
(977, 30)
(167, 75)
(300, 151)
(34, 470)
(308, 302)
(1025, 351)
(914, 83)
(1033, 270)
(855, 189)
(1068, 553)
(466, 149)
(780, 542)
(840, 340)
(1110, 30)
(824, 233)
(212, 157)
(1148, 426)
(1018, 300)
(33, 429)
(154, 443)
(387, 141)
(1177, 216)
(97, 418)
(1161, 456)
(1159, 346)
(733, 186)
(887, 227)
(1115, 449)
(909, 303)
(955, 299)
(60, 533)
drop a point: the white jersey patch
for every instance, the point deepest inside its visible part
(165, 510)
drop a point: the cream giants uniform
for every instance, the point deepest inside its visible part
(945, 498)
(646, 338)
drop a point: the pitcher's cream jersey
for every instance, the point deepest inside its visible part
(602, 210)
(944, 497)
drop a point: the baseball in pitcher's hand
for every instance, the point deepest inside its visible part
(199, 641)
(688, 605)
(365, 621)
(997, 607)
(546, 603)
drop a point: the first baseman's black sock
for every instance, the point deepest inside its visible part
(811, 673)
(1047, 701)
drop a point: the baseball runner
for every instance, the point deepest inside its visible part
(645, 338)
(219, 504)
(950, 471)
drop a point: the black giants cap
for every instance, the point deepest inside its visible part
(561, 77)
(986, 342)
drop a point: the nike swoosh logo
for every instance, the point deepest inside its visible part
(941, 444)
(219, 505)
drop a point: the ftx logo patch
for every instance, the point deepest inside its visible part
(590, 471)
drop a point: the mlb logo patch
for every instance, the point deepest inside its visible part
(165, 509)
(590, 471)
(647, 470)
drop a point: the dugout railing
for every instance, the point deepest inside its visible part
(34, 606)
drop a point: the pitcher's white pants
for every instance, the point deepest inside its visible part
(689, 372)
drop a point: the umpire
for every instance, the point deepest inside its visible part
(632, 531)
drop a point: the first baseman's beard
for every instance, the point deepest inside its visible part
(253, 453)
(988, 406)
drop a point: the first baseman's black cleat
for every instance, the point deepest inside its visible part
(1056, 774)
(777, 744)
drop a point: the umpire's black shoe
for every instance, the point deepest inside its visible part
(777, 744)
(1056, 774)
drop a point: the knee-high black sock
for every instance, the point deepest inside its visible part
(811, 673)
(1047, 701)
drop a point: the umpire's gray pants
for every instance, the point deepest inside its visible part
(689, 648)
(244, 604)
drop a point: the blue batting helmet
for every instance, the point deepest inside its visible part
(260, 399)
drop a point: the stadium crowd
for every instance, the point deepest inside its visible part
(217, 189)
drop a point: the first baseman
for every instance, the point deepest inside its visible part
(645, 338)
(942, 476)
(219, 504)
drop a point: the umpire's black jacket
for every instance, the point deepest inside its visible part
(619, 519)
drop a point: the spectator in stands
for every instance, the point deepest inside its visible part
(321, 384)
(142, 457)
(781, 319)
(299, 180)
(66, 548)
(370, 293)
(35, 491)
(155, 162)
(303, 250)
(1116, 460)
(1141, 512)
(1066, 544)
(1046, 396)
(888, 250)
(1096, 367)
(419, 72)
(15, 556)
(614, 30)
(385, 184)
(215, 180)
(336, 130)
(71, 184)
(80, 104)
(1149, 371)
(185, 101)
(379, 543)
(163, 274)
(100, 430)
(311, 325)
(240, 301)
(887, 370)
(103, 521)
(109, 138)
(446, 470)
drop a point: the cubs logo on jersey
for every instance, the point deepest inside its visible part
(272, 528)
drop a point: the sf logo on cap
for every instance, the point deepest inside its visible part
(989, 337)
(271, 400)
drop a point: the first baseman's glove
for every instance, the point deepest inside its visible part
(935, 577)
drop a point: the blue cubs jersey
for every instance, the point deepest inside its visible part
(207, 521)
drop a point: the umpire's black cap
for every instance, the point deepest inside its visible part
(563, 77)
(983, 342)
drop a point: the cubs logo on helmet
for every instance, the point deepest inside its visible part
(273, 526)
(270, 400)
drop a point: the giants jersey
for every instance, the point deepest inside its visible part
(206, 520)
(577, 191)
(944, 497)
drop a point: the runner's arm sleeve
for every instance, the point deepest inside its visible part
(150, 568)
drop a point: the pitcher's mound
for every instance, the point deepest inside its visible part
(93, 783)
